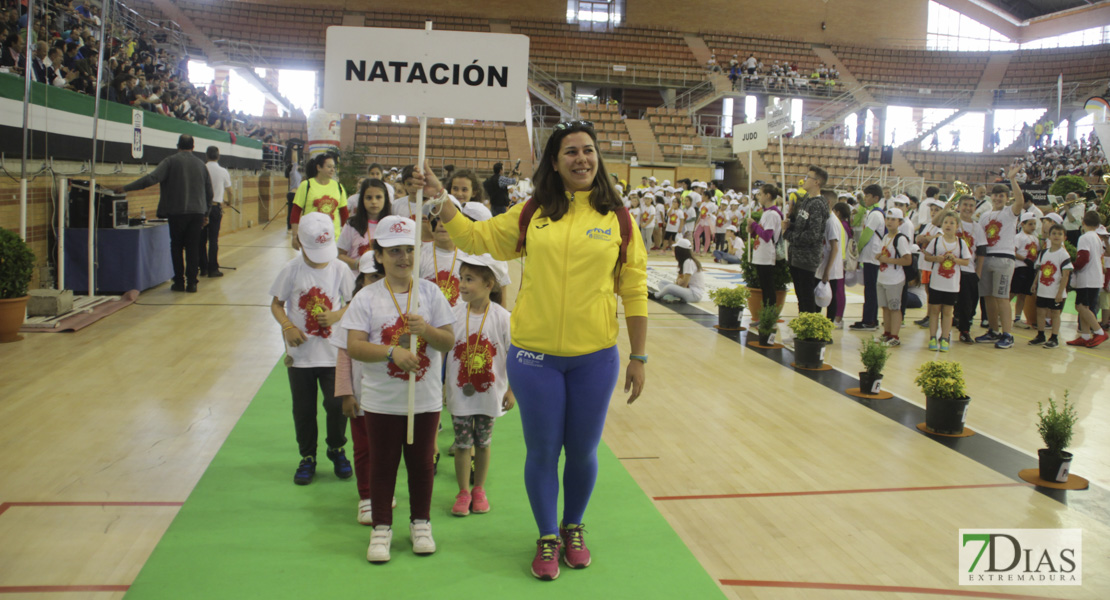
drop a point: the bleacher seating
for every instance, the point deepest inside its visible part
(968, 167)
(947, 74)
(674, 132)
(649, 55)
(466, 146)
(839, 160)
(767, 50)
(1032, 74)
(613, 138)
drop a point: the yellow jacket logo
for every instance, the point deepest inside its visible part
(1021, 557)
(598, 233)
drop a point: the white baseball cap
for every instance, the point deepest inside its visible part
(730, 228)
(684, 243)
(652, 178)
(893, 213)
(477, 211)
(500, 268)
(1055, 218)
(700, 184)
(901, 199)
(316, 232)
(666, 182)
(395, 231)
(1028, 216)
(366, 263)
(1102, 230)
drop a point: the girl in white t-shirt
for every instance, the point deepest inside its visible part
(660, 221)
(945, 254)
(646, 219)
(477, 384)
(358, 231)
(1025, 253)
(381, 319)
(689, 286)
(763, 236)
(675, 217)
(690, 216)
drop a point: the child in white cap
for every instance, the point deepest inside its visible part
(1026, 246)
(307, 295)
(894, 256)
(381, 320)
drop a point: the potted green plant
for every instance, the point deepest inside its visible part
(811, 332)
(751, 278)
(946, 397)
(873, 355)
(768, 322)
(730, 303)
(17, 262)
(1056, 427)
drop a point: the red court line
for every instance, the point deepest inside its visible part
(4, 506)
(878, 588)
(32, 589)
(831, 492)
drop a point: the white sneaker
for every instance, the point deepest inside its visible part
(422, 542)
(365, 517)
(380, 540)
(395, 502)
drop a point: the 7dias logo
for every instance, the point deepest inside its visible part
(1021, 557)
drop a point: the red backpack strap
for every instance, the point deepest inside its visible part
(625, 221)
(526, 213)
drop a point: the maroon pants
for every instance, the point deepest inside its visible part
(387, 444)
(361, 444)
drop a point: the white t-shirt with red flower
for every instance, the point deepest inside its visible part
(1025, 246)
(384, 384)
(999, 229)
(763, 251)
(674, 220)
(441, 267)
(354, 244)
(481, 362)
(307, 292)
(946, 274)
(1050, 272)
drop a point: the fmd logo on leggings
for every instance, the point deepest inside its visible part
(529, 359)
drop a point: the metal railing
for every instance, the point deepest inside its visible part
(136, 21)
(547, 83)
(624, 74)
(242, 53)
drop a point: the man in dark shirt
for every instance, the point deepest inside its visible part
(805, 230)
(497, 189)
(184, 198)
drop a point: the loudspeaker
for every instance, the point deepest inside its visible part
(886, 157)
(111, 208)
(864, 155)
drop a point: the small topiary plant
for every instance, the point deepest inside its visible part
(1056, 424)
(732, 297)
(873, 354)
(812, 327)
(941, 380)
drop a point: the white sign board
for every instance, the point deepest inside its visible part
(748, 137)
(778, 119)
(457, 74)
(137, 133)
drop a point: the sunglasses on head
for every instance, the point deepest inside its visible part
(571, 124)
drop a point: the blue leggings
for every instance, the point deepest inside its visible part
(563, 402)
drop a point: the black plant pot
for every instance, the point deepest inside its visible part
(809, 354)
(868, 383)
(1054, 466)
(728, 317)
(946, 416)
(765, 338)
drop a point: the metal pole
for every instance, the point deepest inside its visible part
(27, 76)
(414, 290)
(782, 165)
(92, 163)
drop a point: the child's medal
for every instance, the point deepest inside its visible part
(404, 340)
(468, 388)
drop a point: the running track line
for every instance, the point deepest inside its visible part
(831, 492)
(878, 588)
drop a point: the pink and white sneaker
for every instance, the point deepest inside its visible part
(545, 566)
(479, 502)
(575, 553)
(462, 504)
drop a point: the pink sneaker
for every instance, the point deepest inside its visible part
(462, 504)
(575, 553)
(480, 504)
(545, 566)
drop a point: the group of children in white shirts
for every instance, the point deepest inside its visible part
(352, 340)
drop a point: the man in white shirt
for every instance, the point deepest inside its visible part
(210, 235)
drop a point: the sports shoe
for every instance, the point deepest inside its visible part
(545, 566)
(365, 516)
(984, 324)
(380, 540)
(861, 326)
(462, 504)
(1098, 339)
(944, 345)
(892, 341)
(933, 343)
(838, 325)
(575, 553)
(342, 466)
(1079, 342)
(1021, 324)
(965, 337)
(1037, 341)
(1051, 343)
(178, 287)
(480, 502)
(305, 471)
(422, 542)
(1005, 342)
(989, 337)
(923, 323)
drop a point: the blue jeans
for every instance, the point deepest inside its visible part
(725, 257)
(870, 294)
(563, 401)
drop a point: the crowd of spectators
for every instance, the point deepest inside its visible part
(1046, 164)
(780, 76)
(138, 70)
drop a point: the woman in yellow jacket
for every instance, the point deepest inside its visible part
(563, 364)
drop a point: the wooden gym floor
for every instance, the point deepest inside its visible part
(781, 486)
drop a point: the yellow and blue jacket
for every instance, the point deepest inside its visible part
(567, 304)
